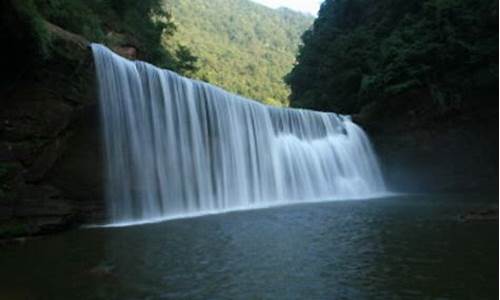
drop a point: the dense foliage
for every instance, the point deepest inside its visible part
(143, 24)
(242, 46)
(360, 51)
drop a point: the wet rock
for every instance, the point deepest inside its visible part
(45, 161)
(128, 51)
(50, 169)
(423, 149)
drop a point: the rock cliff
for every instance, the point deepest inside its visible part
(50, 166)
(447, 149)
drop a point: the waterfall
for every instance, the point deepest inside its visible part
(178, 147)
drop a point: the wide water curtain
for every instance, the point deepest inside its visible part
(179, 147)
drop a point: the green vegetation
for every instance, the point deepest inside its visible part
(243, 47)
(38, 34)
(143, 24)
(239, 45)
(359, 51)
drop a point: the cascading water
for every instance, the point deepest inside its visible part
(178, 147)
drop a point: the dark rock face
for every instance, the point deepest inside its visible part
(50, 164)
(425, 148)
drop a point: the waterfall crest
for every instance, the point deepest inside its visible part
(179, 147)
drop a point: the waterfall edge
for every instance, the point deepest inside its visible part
(178, 147)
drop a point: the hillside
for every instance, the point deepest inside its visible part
(140, 25)
(241, 46)
(364, 51)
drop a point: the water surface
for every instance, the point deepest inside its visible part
(407, 247)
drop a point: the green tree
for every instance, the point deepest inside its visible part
(144, 24)
(359, 51)
(241, 46)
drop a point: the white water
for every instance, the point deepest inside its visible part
(178, 147)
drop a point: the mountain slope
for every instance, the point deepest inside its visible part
(362, 51)
(242, 46)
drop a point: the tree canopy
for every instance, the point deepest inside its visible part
(359, 51)
(242, 46)
(239, 45)
(144, 24)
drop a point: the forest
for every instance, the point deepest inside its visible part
(112, 22)
(364, 51)
(241, 46)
